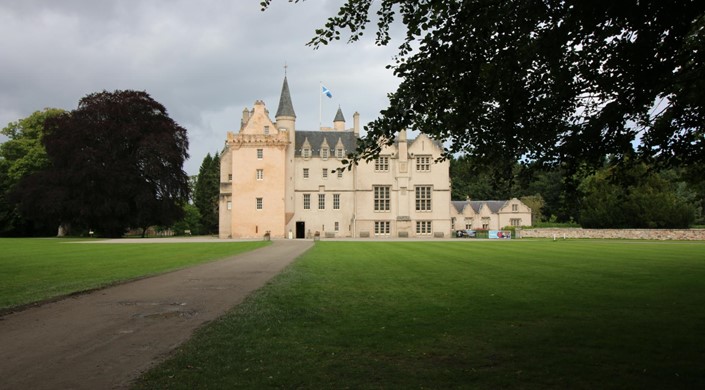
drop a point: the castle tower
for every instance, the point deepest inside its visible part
(286, 121)
(252, 178)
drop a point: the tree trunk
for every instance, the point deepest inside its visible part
(64, 229)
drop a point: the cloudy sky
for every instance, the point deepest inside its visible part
(204, 60)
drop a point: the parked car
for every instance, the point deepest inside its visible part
(467, 233)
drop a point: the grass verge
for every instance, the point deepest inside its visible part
(33, 270)
(528, 314)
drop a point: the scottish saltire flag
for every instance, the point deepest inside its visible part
(326, 92)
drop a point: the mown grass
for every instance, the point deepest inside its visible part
(34, 270)
(482, 315)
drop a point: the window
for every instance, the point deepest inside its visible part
(336, 201)
(381, 228)
(340, 173)
(307, 201)
(339, 153)
(259, 203)
(381, 194)
(325, 173)
(324, 153)
(515, 221)
(260, 153)
(306, 153)
(230, 177)
(423, 227)
(423, 163)
(305, 173)
(382, 164)
(321, 201)
(337, 226)
(260, 174)
(230, 205)
(266, 130)
(515, 207)
(423, 198)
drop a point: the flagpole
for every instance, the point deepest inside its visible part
(320, 103)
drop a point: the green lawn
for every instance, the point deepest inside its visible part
(33, 270)
(526, 314)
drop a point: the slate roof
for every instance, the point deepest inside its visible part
(286, 107)
(315, 139)
(494, 205)
(410, 141)
(459, 204)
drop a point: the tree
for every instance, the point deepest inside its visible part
(115, 162)
(191, 221)
(206, 193)
(476, 181)
(554, 81)
(535, 203)
(20, 156)
(634, 196)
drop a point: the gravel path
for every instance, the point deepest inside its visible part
(106, 339)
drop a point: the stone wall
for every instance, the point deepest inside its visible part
(638, 234)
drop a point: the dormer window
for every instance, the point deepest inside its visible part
(306, 153)
(339, 153)
(325, 152)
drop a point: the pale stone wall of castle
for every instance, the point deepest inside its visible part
(323, 220)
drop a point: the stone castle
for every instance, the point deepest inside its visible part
(280, 180)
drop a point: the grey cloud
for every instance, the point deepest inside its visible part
(204, 61)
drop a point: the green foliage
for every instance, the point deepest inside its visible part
(553, 81)
(207, 190)
(191, 221)
(634, 197)
(535, 203)
(477, 181)
(38, 269)
(20, 156)
(115, 162)
(523, 314)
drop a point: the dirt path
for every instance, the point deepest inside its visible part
(105, 339)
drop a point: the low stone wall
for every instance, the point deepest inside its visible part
(637, 234)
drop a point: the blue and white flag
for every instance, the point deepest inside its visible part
(326, 92)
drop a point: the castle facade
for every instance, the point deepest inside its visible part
(277, 179)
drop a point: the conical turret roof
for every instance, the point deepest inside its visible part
(339, 116)
(286, 108)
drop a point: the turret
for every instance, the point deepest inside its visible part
(245, 117)
(339, 121)
(286, 117)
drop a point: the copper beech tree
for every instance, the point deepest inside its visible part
(115, 162)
